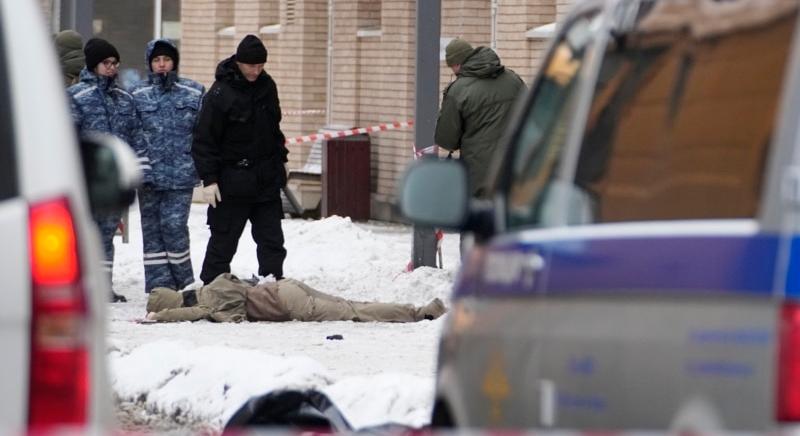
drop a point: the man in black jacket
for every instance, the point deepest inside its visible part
(240, 154)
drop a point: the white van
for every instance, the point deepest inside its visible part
(53, 367)
(638, 266)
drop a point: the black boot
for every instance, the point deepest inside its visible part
(118, 298)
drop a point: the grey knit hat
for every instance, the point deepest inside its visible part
(457, 51)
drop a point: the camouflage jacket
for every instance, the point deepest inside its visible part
(99, 105)
(168, 106)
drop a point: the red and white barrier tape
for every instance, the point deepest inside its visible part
(350, 132)
(305, 112)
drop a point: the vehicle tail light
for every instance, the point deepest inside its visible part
(59, 366)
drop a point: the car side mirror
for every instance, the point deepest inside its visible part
(111, 170)
(435, 193)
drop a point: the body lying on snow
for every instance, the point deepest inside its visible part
(228, 299)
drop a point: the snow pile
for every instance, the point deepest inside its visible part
(394, 398)
(207, 383)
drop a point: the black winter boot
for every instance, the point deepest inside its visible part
(118, 298)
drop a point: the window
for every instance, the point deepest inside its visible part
(540, 142)
(369, 14)
(680, 125)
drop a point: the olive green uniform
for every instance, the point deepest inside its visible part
(228, 299)
(475, 111)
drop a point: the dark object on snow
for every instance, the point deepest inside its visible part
(118, 298)
(299, 409)
(334, 337)
(303, 411)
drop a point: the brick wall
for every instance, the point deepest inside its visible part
(470, 20)
(515, 17)
(373, 65)
(373, 75)
(297, 62)
(201, 46)
(563, 7)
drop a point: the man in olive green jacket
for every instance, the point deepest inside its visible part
(475, 108)
(228, 299)
(69, 45)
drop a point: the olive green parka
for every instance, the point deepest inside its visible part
(70, 54)
(475, 112)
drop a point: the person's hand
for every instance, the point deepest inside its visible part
(211, 194)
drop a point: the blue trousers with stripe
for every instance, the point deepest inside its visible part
(165, 234)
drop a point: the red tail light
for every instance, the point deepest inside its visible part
(59, 372)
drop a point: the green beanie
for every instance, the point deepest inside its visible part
(457, 52)
(163, 298)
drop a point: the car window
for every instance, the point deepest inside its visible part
(682, 118)
(8, 161)
(536, 152)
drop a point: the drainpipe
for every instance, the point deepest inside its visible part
(329, 84)
(494, 25)
(156, 19)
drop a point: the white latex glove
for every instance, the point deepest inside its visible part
(212, 195)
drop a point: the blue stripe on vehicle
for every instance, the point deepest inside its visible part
(739, 264)
(724, 264)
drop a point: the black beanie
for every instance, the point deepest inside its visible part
(97, 50)
(251, 51)
(162, 48)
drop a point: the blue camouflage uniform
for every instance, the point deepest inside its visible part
(167, 106)
(99, 105)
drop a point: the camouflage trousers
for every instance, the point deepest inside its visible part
(165, 237)
(107, 224)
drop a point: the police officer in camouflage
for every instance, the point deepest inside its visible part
(99, 105)
(167, 106)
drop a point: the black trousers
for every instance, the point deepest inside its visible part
(227, 222)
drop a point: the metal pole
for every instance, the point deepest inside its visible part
(428, 21)
(156, 19)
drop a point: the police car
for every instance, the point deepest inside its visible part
(54, 292)
(638, 265)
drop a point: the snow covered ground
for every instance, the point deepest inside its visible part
(195, 375)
